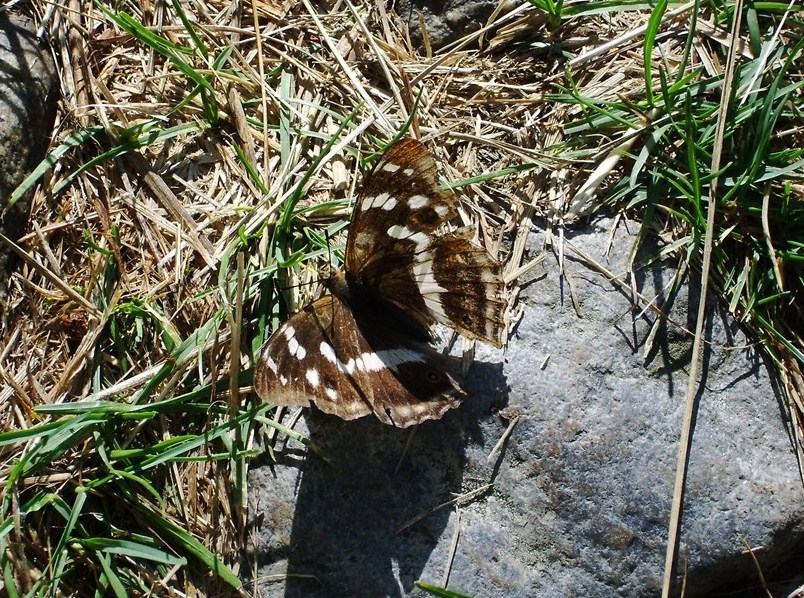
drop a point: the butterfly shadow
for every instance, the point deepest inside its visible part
(352, 532)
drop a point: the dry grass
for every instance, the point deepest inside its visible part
(210, 159)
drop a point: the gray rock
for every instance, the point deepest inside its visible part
(27, 108)
(582, 488)
(446, 20)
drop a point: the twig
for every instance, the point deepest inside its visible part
(458, 499)
(453, 548)
(692, 381)
(505, 435)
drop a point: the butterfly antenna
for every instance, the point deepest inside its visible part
(329, 270)
(329, 249)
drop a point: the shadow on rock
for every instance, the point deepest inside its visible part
(370, 480)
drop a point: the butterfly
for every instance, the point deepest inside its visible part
(366, 346)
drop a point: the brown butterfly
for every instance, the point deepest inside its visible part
(365, 347)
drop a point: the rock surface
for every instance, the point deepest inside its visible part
(583, 486)
(27, 109)
(447, 20)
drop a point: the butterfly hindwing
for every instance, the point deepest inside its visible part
(473, 302)
(290, 370)
(351, 362)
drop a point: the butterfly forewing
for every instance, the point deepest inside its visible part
(398, 248)
(400, 205)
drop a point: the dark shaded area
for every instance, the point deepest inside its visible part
(367, 481)
(779, 576)
(27, 112)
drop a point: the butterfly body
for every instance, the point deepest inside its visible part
(364, 348)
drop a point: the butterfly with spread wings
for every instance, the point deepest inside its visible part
(365, 347)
